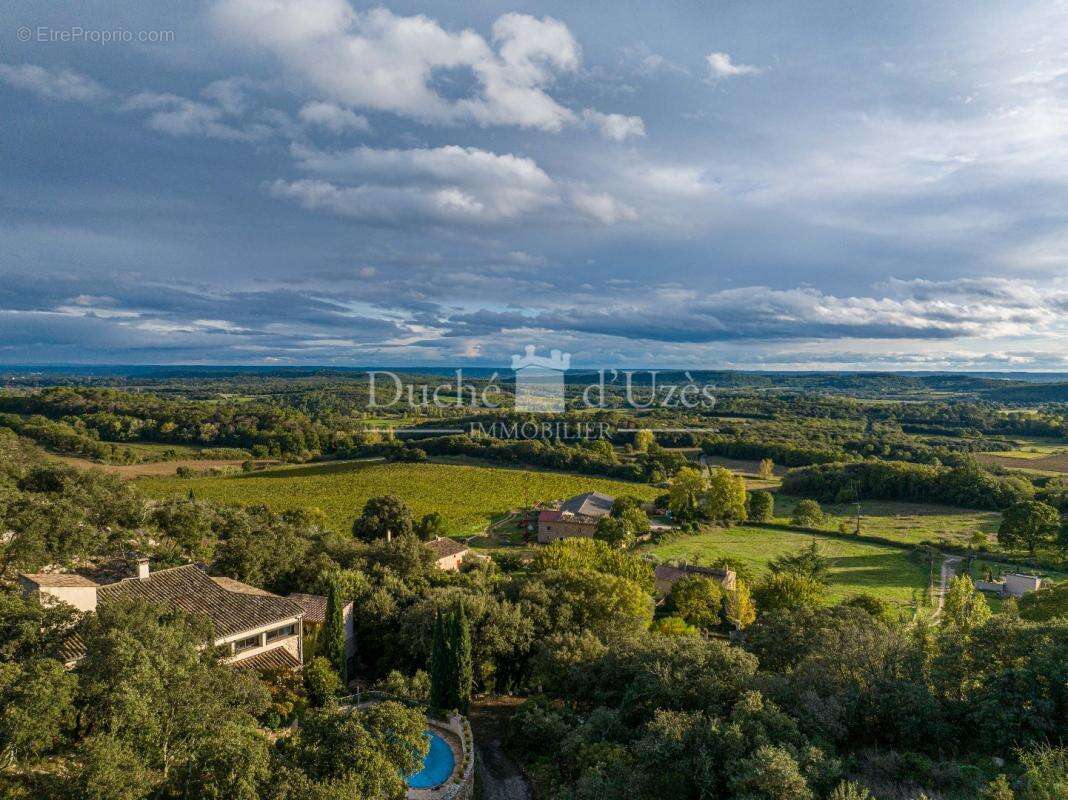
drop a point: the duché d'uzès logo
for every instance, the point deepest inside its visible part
(539, 381)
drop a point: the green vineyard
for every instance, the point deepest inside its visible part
(469, 497)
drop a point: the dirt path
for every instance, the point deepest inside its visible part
(501, 778)
(949, 571)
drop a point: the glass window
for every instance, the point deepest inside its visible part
(281, 633)
(247, 644)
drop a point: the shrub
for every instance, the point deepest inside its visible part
(788, 590)
(674, 626)
(320, 681)
(761, 506)
(807, 514)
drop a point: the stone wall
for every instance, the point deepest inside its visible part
(462, 785)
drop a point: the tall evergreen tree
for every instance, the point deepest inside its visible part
(461, 648)
(451, 665)
(334, 633)
(440, 665)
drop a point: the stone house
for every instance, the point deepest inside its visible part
(314, 606)
(575, 517)
(253, 628)
(449, 554)
(666, 575)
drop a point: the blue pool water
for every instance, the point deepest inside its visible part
(437, 766)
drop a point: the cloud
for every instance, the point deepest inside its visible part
(678, 180)
(930, 359)
(433, 312)
(230, 94)
(179, 116)
(443, 184)
(720, 66)
(333, 118)
(53, 84)
(760, 313)
(385, 204)
(385, 62)
(168, 113)
(602, 207)
(617, 127)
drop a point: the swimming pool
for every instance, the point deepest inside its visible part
(437, 766)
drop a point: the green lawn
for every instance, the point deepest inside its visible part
(469, 497)
(881, 570)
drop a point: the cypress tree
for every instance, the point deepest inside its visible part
(464, 670)
(440, 666)
(334, 633)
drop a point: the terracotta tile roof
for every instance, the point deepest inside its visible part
(443, 548)
(58, 579)
(192, 590)
(230, 585)
(72, 649)
(314, 607)
(275, 658)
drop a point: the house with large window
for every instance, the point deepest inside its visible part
(253, 628)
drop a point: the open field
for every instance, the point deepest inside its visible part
(908, 523)
(1033, 454)
(748, 469)
(1026, 461)
(149, 468)
(155, 449)
(881, 570)
(469, 497)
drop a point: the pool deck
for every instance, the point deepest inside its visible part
(453, 742)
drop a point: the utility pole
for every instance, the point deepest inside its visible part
(856, 504)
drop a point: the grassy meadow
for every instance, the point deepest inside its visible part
(469, 497)
(855, 566)
(908, 523)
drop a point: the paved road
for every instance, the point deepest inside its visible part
(501, 778)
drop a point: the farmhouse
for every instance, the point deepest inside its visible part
(253, 628)
(448, 553)
(665, 576)
(575, 517)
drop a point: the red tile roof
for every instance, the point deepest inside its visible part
(190, 589)
(231, 585)
(443, 548)
(314, 607)
(58, 579)
(275, 658)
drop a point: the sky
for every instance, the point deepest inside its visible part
(751, 185)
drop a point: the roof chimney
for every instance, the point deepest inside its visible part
(140, 560)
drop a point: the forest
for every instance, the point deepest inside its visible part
(765, 692)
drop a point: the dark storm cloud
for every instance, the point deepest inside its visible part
(308, 183)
